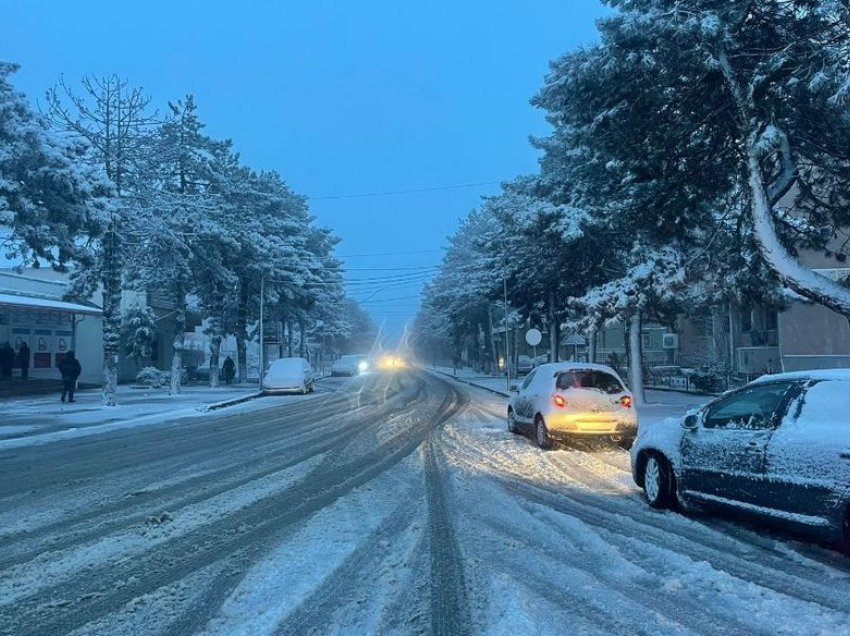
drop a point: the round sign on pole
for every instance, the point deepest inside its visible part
(533, 337)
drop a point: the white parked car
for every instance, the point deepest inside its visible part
(777, 449)
(573, 399)
(289, 375)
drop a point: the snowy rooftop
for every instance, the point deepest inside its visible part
(16, 300)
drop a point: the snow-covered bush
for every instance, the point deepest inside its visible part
(152, 377)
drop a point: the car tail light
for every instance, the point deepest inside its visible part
(560, 401)
(626, 401)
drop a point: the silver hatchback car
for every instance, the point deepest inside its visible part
(573, 399)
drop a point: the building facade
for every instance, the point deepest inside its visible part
(32, 310)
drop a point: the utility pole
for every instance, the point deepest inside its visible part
(507, 348)
(262, 303)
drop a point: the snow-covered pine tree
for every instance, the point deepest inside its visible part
(114, 120)
(180, 216)
(213, 263)
(690, 113)
(138, 332)
(50, 199)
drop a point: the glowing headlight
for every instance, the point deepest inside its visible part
(362, 366)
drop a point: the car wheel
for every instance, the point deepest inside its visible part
(658, 482)
(541, 434)
(512, 427)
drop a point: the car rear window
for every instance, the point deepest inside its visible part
(589, 379)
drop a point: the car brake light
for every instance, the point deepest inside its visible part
(559, 401)
(626, 401)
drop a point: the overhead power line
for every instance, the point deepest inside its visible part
(408, 253)
(368, 195)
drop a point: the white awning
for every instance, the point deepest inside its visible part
(44, 304)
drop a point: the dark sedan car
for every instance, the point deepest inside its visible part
(777, 449)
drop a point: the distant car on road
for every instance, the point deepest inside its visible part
(777, 449)
(570, 399)
(289, 375)
(524, 364)
(350, 365)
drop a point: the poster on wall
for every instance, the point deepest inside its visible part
(20, 336)
(40, 345)
(61, 344)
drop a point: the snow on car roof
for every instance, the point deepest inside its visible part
(812, 374)
(286, 363)
(558, 367)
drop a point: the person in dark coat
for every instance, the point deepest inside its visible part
(7, 361)
(70, 370)
(24, 360)
(228, 370)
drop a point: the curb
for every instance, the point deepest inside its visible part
(667, 389)
(469, 383)
(233, 402)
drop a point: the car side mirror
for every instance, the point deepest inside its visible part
(690, 422)
(514, 388)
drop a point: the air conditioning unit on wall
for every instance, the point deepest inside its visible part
(670, 341)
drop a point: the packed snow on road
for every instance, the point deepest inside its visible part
(395, 504)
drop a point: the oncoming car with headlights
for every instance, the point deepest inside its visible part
(570, 399)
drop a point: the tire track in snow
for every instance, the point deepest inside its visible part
(126, 496)
(236, 539)
(629, 535)
(449, 608)
(356, 575)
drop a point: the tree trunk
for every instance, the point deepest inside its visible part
(288, 338)
(592, 335)
(179, 341)
(553, 330)
(515, 353)
(242, 337)
(491, 341)
(636, 359)
(302, 342)
(215, 351)
(111, 318)
(801, 279)
(215, 355)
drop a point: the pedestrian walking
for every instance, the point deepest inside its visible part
(7, 361)
(70, 370)
(24, 360)
(228, 370)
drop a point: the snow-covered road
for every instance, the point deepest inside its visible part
(398, 504)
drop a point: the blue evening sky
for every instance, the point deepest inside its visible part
(341, 98)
